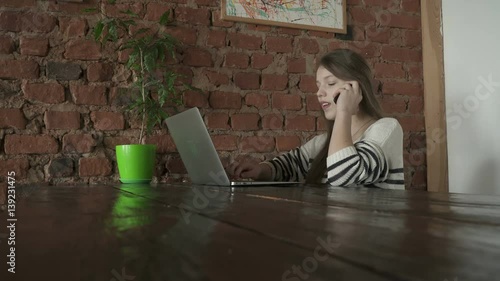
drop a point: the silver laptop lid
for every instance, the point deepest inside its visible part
(196, 148)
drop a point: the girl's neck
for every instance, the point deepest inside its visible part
(359, 123)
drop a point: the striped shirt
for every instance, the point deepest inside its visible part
(375, 159)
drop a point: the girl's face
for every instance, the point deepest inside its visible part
(329, 87)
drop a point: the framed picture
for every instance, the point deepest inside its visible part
(320, 15)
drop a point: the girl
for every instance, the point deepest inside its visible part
(361, 148)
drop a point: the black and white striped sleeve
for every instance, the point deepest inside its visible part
(364, 163)
(294, 165)
(376, 160)
(291, 166)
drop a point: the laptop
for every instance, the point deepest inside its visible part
(198, 152)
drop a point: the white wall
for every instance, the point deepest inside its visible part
(471, 34)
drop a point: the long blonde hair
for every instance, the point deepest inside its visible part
(349, 66)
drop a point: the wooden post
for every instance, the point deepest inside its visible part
(434, 96)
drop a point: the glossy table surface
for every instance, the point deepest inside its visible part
(184, 232)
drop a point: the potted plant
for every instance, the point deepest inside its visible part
(153, 85)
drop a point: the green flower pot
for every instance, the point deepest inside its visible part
(136, 162)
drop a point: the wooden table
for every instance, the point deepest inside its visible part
(183, 232)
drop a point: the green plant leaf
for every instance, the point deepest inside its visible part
(130, 13)
(90, 10)
(98, 30)
(165, 18)
(112, 2)
(141, 31)
(113, 31)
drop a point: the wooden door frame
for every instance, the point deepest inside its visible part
(434, 96)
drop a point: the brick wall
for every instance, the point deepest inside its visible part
(61, 114)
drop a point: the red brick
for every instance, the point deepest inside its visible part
(225, 142)
(412, 6)
(412, 123)
(98, 72)
(300, 123)
(245, 121)
(361, 16)
(95, 167)
(414, 158)
(195, 99)
(216, 38)
(45, 92)
(289, 31)
(34, 46)
(272, 122)
(334, 45)
(6, 45)
(73, 27)
(82, 49)
(111, 142)
(403, 21)
(416, 72)
(297, 65)
(164, 143)
(312, 103)
(154, 11)
(287, 101)
(18, 3)
(257, 144)
(417, 141)
(29, 144)
(402, 88)
(105, 121)
(198, 16)
(279, 44)
(416, 105)
(412, 38)
(380, 3)
(216, 78)
(367, 50)
(261, 61)
(62, 120)
(197, 57)
(274, 82)
(26, 21)
(225, 100)
(88, 94)
(12, 117)
(307, 84)
(218, 22)
(309, 46)
(380, 35)
(186, 36)
(321, 124)
(247, 80)
(287, 143)
(206, 3)
(124, 55)
(358, 33)
(419, 178)
(321, 34)
(175, 165)
(236, 60)
(18, 165)
(72, 8)
(115, 10)
(17, 69)
(80, 143)
(260, 101)
(391, 53)
(389, 70)
(259, 27)
(216, 120)
(243, 41)
(393, 104)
